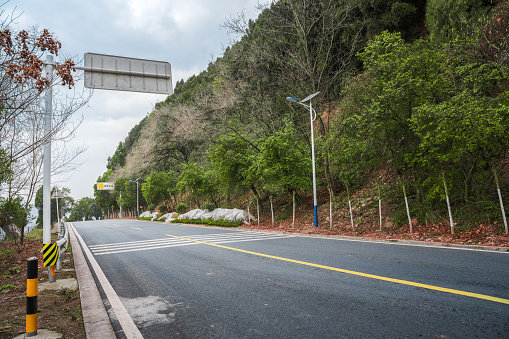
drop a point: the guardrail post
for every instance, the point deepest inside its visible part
(32, 276)
(64, 236)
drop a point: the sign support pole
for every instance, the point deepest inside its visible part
(46, 186)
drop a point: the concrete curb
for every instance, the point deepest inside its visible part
(42, 334)
(95, 318)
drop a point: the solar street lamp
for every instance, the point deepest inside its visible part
(137, 199)
(311, 110)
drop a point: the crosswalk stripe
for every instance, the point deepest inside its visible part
(219, 238)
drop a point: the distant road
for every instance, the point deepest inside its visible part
(179, 281)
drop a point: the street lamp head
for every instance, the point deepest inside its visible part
(292, 99)
(309, 97)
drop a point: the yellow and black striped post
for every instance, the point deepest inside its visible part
(50, 257)
(31, 317)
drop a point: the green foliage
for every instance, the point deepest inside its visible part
(222, 223)
(209, 206)
(118, 159)
(85, 208)
(181, 208)
(163, 209)
(159, 187)
(126, 194)
(446, 19)
(7, 287)
(392, 15)
(65, 204)
(105, 199)
(284, 162)
(198, 182)
(5, 169)
(434, 111)
(232, 159)
(12, 212)
(151, 207)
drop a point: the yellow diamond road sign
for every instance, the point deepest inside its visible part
(50, 254)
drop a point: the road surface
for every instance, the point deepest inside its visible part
(183, 281)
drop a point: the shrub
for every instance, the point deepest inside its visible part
(151, 207)
(181, 208)
(163, 209)
(145, 218)
(210, 206)
(222, 223)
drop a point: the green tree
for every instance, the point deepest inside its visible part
(435, 109)
(445, 19)
(81, 211)
(284, 162)
(159, 187)
(232, 157)
(64, 204)
(12, 213)
(194, 179)
(118, 159)
(105, 198)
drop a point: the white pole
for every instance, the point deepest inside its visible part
(258, 211)
(448, 204)
(351, 215)
(46, 189)
(248, 217)
(503, 210)
(313, 157)
(408, 215)
(137, 200)
(120, 205)
(58, 215)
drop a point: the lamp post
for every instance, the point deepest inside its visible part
(137, 199)
(311, 110)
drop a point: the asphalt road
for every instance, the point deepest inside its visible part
(180, 281)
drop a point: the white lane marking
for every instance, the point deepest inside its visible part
(125, 320)
(142, 245)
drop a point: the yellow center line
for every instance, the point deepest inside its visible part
(366, 275)
(136, 228)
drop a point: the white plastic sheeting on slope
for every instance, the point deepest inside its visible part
(232, 215)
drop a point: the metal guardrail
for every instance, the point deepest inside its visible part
(62, 242)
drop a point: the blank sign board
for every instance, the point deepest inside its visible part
(127, 74)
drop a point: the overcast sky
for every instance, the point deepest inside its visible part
(186, 33)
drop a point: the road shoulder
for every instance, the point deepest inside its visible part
(96, 320)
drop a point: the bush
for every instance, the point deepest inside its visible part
(145, 218)
(222, 223)
(163, 209)
(210, 206)
(151, 207)
(181, 208)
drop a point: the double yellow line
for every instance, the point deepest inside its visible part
(366, 275)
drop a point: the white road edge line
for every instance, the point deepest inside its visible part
(399, 242)
(125, 320)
